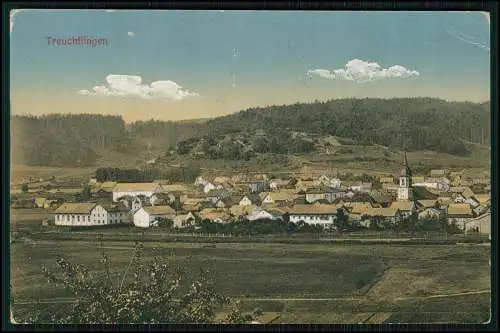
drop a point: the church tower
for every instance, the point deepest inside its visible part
(404, 189)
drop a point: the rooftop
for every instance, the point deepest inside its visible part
(75, 208)
(460, 209)
(135, 187)
(159, 210)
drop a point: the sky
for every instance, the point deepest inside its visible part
(173, 65)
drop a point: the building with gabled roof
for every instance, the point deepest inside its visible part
(323, 193)
(480, 224)
(459, 212)
(249, 199)
(80, 214)
(427, 203)
(185, 220)
(117, 213)
(135, 190)
(147, 216)
(391, 215)
(314, 214)
(437, 173)
(215, 215)
(405, 207)
(430, 212)
(260, 214)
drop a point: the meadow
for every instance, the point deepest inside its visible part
(299, 283)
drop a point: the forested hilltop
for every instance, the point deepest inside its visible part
(411, 123)
(403, 123)
(81, 140)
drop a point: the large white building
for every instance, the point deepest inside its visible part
(314, 214)
(80, 214)
(90, 214)
(147, 216)
(135, 189)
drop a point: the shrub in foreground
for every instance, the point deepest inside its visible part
(148, 292)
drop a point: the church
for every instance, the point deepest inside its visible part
(405, 192)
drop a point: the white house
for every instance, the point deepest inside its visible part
(200, 181)
(459, 213)
(246, 201)
(314, 214)
(335, 183)
(135, 189)
(184, 220)
(276, 184)
(80, 214)
(147, 216)
(480, 224)
(259, 214)
(315, 194)
(208, 187)
(429, 212)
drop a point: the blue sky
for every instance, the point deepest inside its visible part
(220, 62)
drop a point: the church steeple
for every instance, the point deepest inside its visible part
(404, 190)
(405, 171)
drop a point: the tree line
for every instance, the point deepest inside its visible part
(186, 174)
(244, 227)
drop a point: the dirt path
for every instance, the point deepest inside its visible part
(283, 299)
(444, 295)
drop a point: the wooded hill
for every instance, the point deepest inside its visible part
(411, 123)
(404, 123)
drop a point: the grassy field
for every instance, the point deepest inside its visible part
(306, 283)
(372, 160)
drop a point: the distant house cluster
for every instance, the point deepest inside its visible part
(302, 198)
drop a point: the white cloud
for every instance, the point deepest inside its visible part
(132, 86)
(362, 71)
(110, 10)
(131, 33)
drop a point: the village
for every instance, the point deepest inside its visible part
(313, 200)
